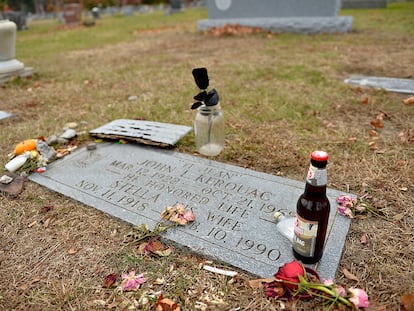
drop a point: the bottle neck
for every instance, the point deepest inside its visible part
(316, 179)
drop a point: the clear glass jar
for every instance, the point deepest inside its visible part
(209, 130)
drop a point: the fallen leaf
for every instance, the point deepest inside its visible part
(30, 283)
(349, 275)
(47, 222)
(165, 252)
(407, 301)
(409, 101)
(381, 116)
(364, 239)
(72, 251)
(372, 144)
(109, 280)
(165, 304)
(373, 133)
(154, 246)
(377, 123)
(233, 30)
(46, 209)
(258, 283)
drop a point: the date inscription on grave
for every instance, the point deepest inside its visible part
(234, 207)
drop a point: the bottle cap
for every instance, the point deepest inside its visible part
(320, 156)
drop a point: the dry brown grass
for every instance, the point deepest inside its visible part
(283, 96)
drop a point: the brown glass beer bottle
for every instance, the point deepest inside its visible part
(312, 212)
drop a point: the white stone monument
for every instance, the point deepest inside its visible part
(9, 65)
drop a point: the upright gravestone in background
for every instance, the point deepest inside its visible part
(72, 13)
(9, 66)
(18, 17)
(300, 16)
(175, 7)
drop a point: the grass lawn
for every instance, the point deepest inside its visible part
(283, 96)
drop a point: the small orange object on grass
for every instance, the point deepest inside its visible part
(26, 145)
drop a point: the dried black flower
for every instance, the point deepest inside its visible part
(209, 98)
(201, 77)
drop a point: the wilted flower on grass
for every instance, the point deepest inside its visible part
(294, 281)
(290, 272)
(350, 207)
(131, 281)
(359, 298)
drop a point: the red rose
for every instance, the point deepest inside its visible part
(290, 272)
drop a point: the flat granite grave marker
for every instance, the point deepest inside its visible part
(300, 16)
(389, 84)
(234, 207)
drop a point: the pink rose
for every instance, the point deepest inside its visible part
(359, 297)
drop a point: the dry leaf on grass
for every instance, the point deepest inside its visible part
(234, 30)
(258, 283)
(154, 247)
(377, 123)
(30, 283)
(46, 223)
(46, 209)
(72, 251)
(349, 275)
(165, 304)
(373, 133)
(407, 301)
(409, 101)
(110, 280)
(364, 239)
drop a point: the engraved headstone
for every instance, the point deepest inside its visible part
(234, 207)
(301, 16)
(72, 13)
